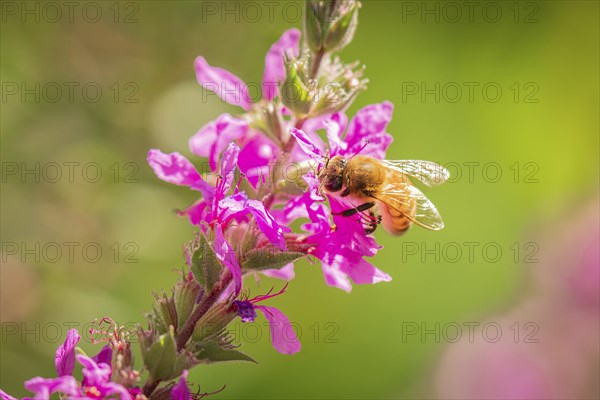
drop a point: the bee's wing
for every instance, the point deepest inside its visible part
(427, 172)
(398, 197)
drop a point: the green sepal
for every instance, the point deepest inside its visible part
(294, 91)
(205, 265)
(185, 294)
(162, 360)
(165, 311)
(342, 31)
(314, 26)
(269, 258)
(213, 323)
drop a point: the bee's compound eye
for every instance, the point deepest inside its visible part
(334, 184)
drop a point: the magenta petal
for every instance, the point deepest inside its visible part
(226, 85)
(94, 374)
(6, 396)
(254, 159)
(283, 336)
(267, 223)
(43, 388)
(104, 355)
(336, 278)
(274, 66)
(226, 256)
(214, 137)
(173, 168)
(110, 389)
(228, 165)
(65, 354)
(286, 273)
(180, 391)
(363, 272)
(369, 124)
(306, 143)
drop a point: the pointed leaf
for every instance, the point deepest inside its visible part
(269, 258)
(211, 352)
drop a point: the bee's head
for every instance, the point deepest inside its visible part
(332, 173)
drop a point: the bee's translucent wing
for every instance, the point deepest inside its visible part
(427, 172)
(401, 197)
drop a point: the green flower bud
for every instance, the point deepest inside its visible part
(165, 311)
(342, 29)
(345, 83)
(160, 355)
(294, 90)
(185, 295)
(330, 24)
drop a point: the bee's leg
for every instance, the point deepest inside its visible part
(372, 221)
(351, 211)
(345, 193)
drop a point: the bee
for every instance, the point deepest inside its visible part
(386, 185)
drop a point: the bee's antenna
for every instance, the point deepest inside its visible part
(367, 142)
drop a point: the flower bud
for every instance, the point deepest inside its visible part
(160, 355)
(345, 84)
(330, 24)
(268, 120)
(294, 90)
(165, 311)
(185, 295)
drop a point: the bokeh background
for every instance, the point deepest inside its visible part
(541, 134)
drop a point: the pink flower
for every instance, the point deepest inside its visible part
(366, 134)
(232, 89)
(96, 382)
(342, 250)
(216, 207)
(283, 337)
(212, 139)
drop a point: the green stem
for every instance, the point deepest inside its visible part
(188, 328)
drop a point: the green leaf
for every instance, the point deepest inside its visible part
(205, 266)
(160, 357)
(211, 352)
(269, 258)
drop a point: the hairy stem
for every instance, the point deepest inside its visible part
(188, 328)
(150, 387)
(317, 63)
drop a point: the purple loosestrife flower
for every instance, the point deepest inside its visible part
(213, 138)
(216, 207)
(283, 337)
(96, 383)
(218, 210)
(342, 248)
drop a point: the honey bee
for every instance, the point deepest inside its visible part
(368, 182)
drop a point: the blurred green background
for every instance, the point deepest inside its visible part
(549, 49)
